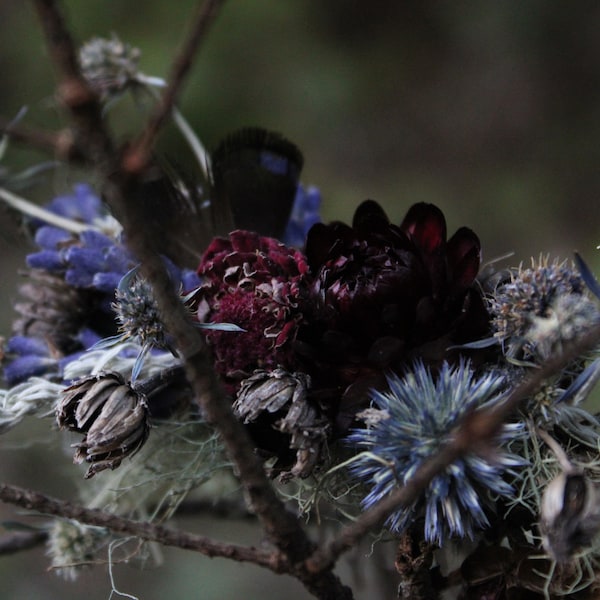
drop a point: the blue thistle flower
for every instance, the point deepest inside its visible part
(408, 424)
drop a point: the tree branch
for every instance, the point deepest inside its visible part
(147, 531)
(73, 90)
(222, 509)
(138, 156)
(59, 143)
(18, 541)
(124, 193)
(476, 433)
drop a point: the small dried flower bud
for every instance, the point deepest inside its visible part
(570, 515)
(72, 545)
(269, 395)
(137, 312)
(541, 308)
(109, 65)
(112, 415)
(50, 309)
(269, 392)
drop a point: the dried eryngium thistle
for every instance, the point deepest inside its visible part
(276, 401)
(112, 415)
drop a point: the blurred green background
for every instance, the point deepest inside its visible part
(491, 110)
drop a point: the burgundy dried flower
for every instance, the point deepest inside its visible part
(386, 295)
(256, 283)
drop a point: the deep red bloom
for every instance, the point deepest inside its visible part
(256, 283)
(386, 294)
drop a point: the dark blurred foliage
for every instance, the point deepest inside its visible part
(491, 110)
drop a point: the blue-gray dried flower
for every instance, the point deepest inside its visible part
(138, 316)
(112, 415)
(540, 309)
(408, 424)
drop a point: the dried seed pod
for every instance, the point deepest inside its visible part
(279, 400)
(112, 415)
(270, 392)
(570, 515)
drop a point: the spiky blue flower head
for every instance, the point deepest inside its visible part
(408, 424)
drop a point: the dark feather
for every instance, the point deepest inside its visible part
(254, 180)
(255, 176)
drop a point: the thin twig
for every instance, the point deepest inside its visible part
(138, 156)
(59, 143)
(73, 90)
(17, 541)
(147, 531)
(476, 433)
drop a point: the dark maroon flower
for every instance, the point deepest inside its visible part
(256, 283)
(387, 294)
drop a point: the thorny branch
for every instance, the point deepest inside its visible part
(474, 434)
